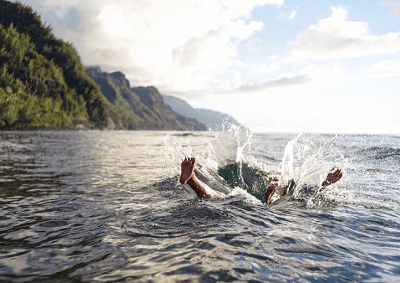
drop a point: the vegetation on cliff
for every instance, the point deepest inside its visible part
(42, 80)
(138, 107)
(43, 84)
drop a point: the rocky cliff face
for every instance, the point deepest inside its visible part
(139, 107)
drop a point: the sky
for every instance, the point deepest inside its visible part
(274, 65)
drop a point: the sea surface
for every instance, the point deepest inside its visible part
(93, 206)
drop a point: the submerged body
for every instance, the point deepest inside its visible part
(273, 192)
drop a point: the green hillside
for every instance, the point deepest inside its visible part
(43, 83)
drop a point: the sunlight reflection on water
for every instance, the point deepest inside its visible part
(106, 206)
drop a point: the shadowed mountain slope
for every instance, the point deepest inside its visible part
(138, 107)
(214, 120)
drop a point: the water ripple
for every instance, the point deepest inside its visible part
(94, 206)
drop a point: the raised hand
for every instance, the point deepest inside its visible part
(332, 178)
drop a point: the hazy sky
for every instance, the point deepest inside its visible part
(275, 65)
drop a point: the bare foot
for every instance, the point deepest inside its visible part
(332, 178)
(187, 169)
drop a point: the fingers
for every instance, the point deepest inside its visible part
(338, 173)
(335, 176)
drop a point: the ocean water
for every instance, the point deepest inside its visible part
(97, 206)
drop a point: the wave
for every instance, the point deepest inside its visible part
(380, 153)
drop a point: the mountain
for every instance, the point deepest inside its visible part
(43, 83)
(138, 107)
(214, 120)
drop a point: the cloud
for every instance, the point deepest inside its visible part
(336, 37)
(331, 73)
(280, 82)
(311, 74)
(395, 5)
(175, 45)
(258, 68)
(382, 69)
(392, 66)
(292, 15)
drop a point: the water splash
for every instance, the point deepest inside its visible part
(287, 171)
(307, 161)
(245, 196)
(174, 153)
(242, 137)
(214, 151)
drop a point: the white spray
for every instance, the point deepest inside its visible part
(287, 173)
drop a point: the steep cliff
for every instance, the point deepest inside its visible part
(43, 84)
(138, 107)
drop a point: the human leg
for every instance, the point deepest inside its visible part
(188, 176)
